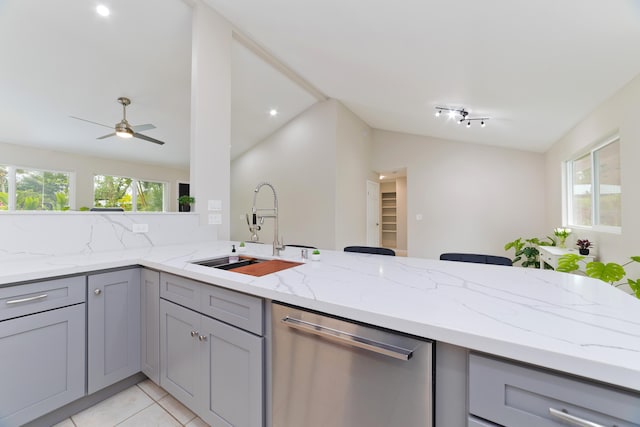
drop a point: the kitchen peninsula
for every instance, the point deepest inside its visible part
(563, 322)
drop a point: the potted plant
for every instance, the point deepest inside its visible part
(610, 272)
(584, 245)
(184, 203)
(528, 248)
(315, 255)
(242, 247)
(561, 234)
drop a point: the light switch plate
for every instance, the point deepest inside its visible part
(215, 205)
(418, 217)
(215, 218)
(140, 228)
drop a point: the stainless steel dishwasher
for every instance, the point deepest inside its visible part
(329, 372)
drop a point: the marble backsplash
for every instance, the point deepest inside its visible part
(74, 233)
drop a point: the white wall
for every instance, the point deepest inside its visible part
(618, 114)
(211, 114)
(473, 198)
(86, 167)
(353, 168)
(299, 161)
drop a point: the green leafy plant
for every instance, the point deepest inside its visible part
(186, 200)
(527, 248)
(316, 252)
(610, 272)
(562, 234)
(242, 244)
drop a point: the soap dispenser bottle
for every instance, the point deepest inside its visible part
(234, 255)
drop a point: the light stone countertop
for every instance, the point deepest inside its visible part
(560, 321)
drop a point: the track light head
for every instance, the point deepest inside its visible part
(460, 115)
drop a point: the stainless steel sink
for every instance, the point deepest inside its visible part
(225, 263)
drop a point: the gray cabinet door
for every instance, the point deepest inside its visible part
(232, 385)
(150, 324)
(42, 359)
(113, 327)
(179, 352)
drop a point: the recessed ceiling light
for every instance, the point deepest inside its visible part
(103, 10)
(381, 176)
(273, 112)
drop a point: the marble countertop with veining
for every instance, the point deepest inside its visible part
(560, 321)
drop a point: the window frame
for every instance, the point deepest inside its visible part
(134, 192)
(12, 184)
(595, 185)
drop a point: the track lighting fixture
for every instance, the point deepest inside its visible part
(461, 115)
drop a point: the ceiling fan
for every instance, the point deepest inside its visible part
(123, 129)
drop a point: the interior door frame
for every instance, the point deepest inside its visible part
(373, 205)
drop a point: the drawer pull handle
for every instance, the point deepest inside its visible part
(194, 333)
(202, 338)
(572, 419)
(29, 299)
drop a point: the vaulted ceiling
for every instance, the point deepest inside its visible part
(536, 68)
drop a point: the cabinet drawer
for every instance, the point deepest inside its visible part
(31, 298)
(477, 422)
(513, 395)
(240, 310)
(185, 292)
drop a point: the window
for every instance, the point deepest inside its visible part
(594, 188)
(129, 194)
(33, 189)
(4, 188)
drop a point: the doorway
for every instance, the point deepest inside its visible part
(393, 211)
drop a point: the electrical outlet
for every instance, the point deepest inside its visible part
(418, 217)
(215, 205)
(215, 218)
(140, 228)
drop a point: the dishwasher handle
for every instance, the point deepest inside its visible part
(349, 339)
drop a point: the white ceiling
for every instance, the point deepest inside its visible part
(535, 67)
(61, 59)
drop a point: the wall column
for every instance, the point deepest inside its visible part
(211, 115)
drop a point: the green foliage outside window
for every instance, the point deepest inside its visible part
(41, 190)
(114, 191)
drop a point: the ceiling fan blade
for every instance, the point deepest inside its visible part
(95, 123)
(148, 138)
(107, 136)
(141, 128)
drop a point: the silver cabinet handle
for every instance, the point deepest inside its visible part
(28, 299)
(347, 338)
(202, 338)
(572, 419)
(97, 291)
(194, 333)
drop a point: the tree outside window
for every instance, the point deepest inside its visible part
(114, 191)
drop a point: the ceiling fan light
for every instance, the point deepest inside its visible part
(124, 134)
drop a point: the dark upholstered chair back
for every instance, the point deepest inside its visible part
(370, 250)
(476, 258)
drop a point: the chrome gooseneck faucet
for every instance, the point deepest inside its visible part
(277, 245)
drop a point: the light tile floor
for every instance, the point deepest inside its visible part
(141, 405)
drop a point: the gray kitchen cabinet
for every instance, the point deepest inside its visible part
(113, 316)
(150, 324)
(214, 367)
(179, 350)
(232, 361)
(514, 395)
(42, 349)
